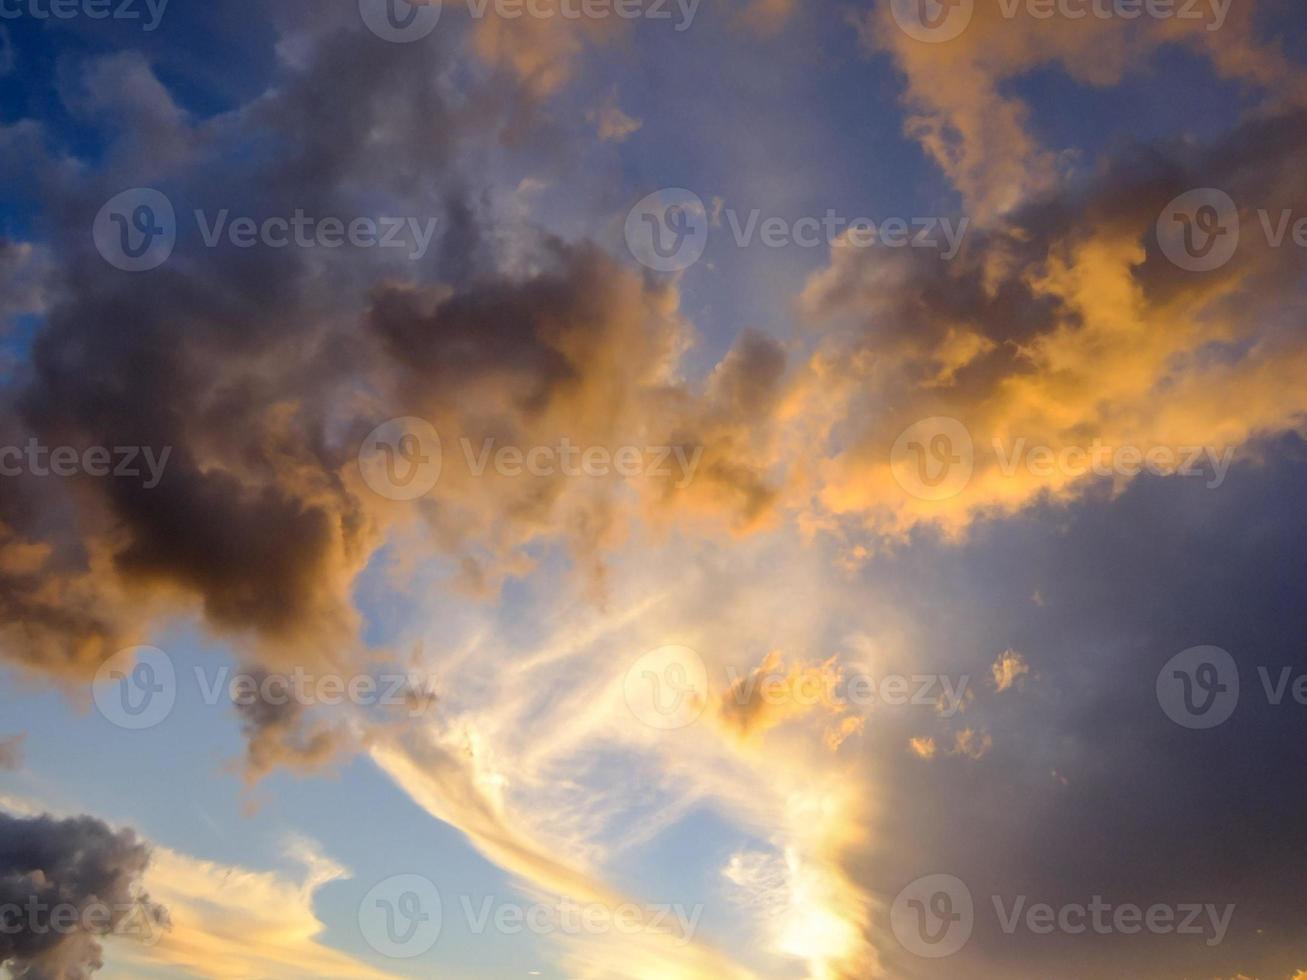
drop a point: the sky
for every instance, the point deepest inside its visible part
(595, 489)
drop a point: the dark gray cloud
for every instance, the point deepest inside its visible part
(1090, 789)
(64, 885)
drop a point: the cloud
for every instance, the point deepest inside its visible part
(923, 747)
(64, 886)
(233, 922)
(611, 123)
(1008, 669)
(963, 111)
(1080, 337)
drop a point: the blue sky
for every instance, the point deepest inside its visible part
(846, 461)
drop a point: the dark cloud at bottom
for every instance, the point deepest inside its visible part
(1090, 789)
(64, 884)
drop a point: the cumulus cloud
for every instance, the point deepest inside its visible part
(1008, 669)
(1079, 336)
(64, 886)
(260, 371)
